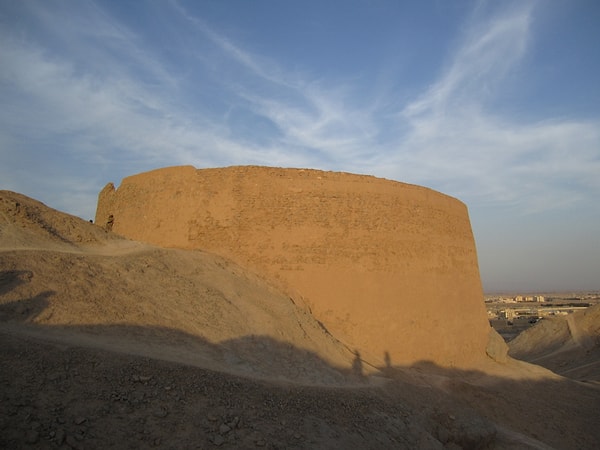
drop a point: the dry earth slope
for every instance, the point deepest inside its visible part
(110, 343)
(568, 345)
(59, 271)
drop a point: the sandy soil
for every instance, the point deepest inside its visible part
(112, 343)
(568, 345)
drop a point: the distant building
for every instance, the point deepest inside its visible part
(507, 314)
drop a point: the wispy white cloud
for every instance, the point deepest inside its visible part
(107, 113)
(106, 97)
(313, 117)
(58, 121)
(458, 145)
(321, 125)
(450, 138)
(254, 64)
(489, 49)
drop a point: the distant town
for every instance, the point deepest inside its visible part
(511, 314)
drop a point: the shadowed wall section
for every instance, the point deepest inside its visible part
(389, 268)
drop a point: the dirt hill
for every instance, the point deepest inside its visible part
(568, 345)
(70, 273)
(383, 265)
(111, 343)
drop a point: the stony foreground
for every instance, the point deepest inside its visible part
(54, 395)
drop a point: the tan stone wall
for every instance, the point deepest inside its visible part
(388, 268)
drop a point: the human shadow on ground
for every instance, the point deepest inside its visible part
(11, 279)
(25, 310)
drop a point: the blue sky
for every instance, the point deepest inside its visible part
(496, 103)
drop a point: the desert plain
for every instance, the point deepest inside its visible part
(114, 342)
